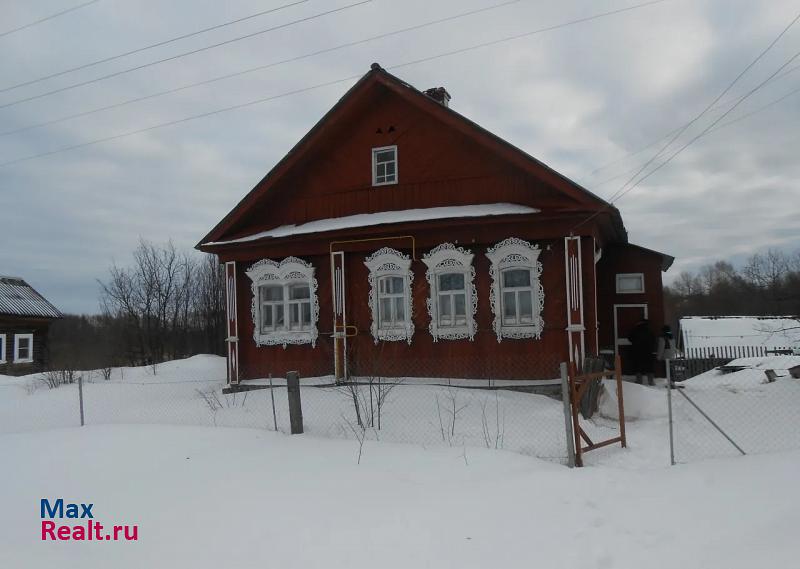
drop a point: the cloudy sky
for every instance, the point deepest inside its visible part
(581, 98)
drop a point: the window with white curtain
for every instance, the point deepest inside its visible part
(390, 279)
(517, 296)
(452, 303)
(285, 306)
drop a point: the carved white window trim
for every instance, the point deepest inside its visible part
(289, 271)
(517, 254)
(387, 262)
(446, 259)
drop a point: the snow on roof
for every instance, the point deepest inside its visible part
(713, 332)
(384, 217)
(17, 298)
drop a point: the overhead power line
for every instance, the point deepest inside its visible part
(262, 67)
(184, 54)
(46, 18)
(708, 107)
(151, 46)
(652, 143)
(623, 191)
(705, 131)
(710, 127)
(711, 131)
(325, 84)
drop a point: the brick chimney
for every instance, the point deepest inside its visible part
(440, 95)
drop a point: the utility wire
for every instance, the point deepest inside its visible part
(46, 18)
(715, 129)
(184, 54)
(702, 113)
(321, 85)
(260, 67)
(151, 46)
(691, 141)
(656, 141)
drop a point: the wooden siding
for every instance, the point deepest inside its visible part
(483, 358)
(626, 259)
(39, 328)
(437, 166)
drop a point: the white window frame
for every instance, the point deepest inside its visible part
(629, 275)
(17, 338)
(375, 152)
(2, 348)
(389, 262)
(290, 271)
(515, 253)
(449, 259)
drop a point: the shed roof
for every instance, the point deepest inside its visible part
(18, 298)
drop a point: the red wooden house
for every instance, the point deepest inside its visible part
(399, 237)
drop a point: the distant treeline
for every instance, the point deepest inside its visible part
(768, 284)
(166, 305)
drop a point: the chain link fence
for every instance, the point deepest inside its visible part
(519, 415)
(746, 406)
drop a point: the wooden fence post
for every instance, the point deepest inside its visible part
(295, 406)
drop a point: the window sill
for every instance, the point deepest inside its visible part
(520, 332)
(378, 184)
(284, 338)
(403, 334)
(22, 361)
(452, 333)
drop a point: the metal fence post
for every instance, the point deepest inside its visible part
(80, 396)
(272, 395)
(565, 397)
(295, 406)
(669, 413)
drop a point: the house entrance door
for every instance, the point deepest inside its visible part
(626, 316)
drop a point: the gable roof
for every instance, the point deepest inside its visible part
(378, 75)
(18, 298)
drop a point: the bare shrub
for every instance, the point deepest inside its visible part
(56, 378)
(493, 438)
(448, 413)
(218, 401)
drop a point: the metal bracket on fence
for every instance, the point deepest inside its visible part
(565, 397)
(272, 395)
(80, 396)
(710, 420)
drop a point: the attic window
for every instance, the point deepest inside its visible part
(384, 165)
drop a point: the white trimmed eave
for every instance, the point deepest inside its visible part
(384, 218)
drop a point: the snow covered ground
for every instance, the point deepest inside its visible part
(211, 498)
(158, 452)
(759, 416)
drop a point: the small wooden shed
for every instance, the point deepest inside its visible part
(25, 318)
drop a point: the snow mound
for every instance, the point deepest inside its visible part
(641, 401)
(750, 378)
(768, 362)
